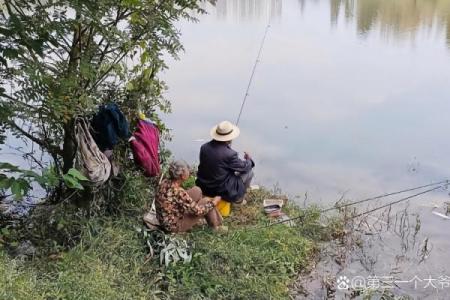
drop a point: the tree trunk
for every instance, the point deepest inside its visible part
(69, 147)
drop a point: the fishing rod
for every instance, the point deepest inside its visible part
(398, 201)
(446, 183)
(347, 204)
(253, 74)
(383, 196)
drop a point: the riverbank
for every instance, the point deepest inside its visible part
(59, 253)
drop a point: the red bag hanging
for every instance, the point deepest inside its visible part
(145, 147)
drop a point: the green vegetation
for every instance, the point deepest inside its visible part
(106, 258)
(20, 184)
(60, 59)
(190, 182)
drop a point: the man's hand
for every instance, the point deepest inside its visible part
(247, 156)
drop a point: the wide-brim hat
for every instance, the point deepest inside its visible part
(225, 131)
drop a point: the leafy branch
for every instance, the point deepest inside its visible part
(18, 181)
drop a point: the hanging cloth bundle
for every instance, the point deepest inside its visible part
(109, 124)
(89, 159)
(150, 218)
(145, 143)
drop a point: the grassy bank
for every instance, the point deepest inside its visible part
(106, 258)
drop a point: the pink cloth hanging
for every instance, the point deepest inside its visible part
(145, 147)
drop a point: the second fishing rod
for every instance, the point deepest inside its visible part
(435, 186)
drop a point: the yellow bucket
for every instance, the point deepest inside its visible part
(224, 208)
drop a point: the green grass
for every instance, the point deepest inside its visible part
(108, 261)
(106, 264)
(242, 264)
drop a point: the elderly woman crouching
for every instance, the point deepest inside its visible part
(177, 209)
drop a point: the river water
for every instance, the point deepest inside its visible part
(346, 97)
(351, 97)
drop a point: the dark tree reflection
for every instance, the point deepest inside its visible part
(394, 18)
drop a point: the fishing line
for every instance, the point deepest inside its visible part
(398, 201)
(375, 198)
(383, 196)
(347, 204)
(253, 74)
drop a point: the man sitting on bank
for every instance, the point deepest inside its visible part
(221, 172)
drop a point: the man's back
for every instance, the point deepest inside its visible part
(217, 171)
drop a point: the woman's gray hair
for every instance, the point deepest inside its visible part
(177, 169)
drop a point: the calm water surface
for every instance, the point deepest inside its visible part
(350, 96)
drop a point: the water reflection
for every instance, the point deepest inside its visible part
(396, 245)
(244, 10)
(394, 18)
(335, 9)
(331, 111)
(397, 19)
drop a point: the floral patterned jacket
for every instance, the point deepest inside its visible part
(173, 202)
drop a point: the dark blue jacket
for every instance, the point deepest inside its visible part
(216, 173)
(108, 125)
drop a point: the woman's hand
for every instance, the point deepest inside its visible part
(216, 200)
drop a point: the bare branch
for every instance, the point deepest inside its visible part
(27, 155)
(105, 74)
(44, 144)
(18, 101)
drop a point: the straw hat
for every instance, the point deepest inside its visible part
(225, 131)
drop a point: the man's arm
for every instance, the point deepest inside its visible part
(234, 163)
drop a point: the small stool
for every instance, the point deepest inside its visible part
(224, 208)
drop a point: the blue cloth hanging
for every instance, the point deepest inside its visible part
(109, 125)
